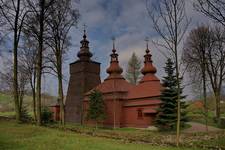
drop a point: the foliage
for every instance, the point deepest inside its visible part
(96, 110)
(25, 117)
(133, 69)
(196, 113)
(167, 116)
(46, 115)
(222, 122)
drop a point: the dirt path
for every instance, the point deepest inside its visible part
(198, 127)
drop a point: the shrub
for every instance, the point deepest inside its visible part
(46, 115)
(96, 110)
(195, 116)
(25, 117)
(222, 123)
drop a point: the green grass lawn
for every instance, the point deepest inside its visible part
(23, 136)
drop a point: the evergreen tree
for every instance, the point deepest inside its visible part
(96, 110)
(133, 69)
(167, 116)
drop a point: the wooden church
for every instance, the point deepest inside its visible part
(126, 105)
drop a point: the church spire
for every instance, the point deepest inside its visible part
(114, 69)
(148, 67)
(114, 55)
(84, 53)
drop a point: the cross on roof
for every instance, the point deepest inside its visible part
(113, 39)
(85, 26)
(147, 40)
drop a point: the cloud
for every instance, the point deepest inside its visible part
(129, 22)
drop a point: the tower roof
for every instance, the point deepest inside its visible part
(84, 53)
(114, 69)
(115, 82)
(148, 70)
(148, 66)
(149, 85)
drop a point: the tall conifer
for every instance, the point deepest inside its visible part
(96, 110)
(167, 116)
(133, 69)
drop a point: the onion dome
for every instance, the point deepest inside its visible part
(84, 53)
(115, 82)
(149, 86)
(148, 70)
(114, 69)
(148, 67)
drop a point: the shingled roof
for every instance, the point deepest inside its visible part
(115, 82)
(149, 85)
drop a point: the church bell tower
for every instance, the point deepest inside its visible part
(84, 75)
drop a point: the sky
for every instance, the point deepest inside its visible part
(129, 23)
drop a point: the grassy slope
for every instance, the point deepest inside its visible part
(5, 99)
(7, 104)
(14, 136)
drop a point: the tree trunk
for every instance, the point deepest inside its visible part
(34, 104)
(60, 94)
(177, 75)
(34, 94)
(217, 97)
(21, 94)
(32, 84)
(15, 64)
(96, 125)
(60, 80)
(178, 103)
(204, 90)
(39, 61)
(15, 83)
(39, 88)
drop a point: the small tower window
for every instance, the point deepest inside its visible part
(139, 114)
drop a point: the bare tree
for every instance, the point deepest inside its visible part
(216, 65)
(205, 52)
(6, 77)
(39, 9)
(170, 22)
(28, 60)
(196, 46)
(61, 19)
(214, 9)
(13, 13)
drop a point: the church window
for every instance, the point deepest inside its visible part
(139, 114)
